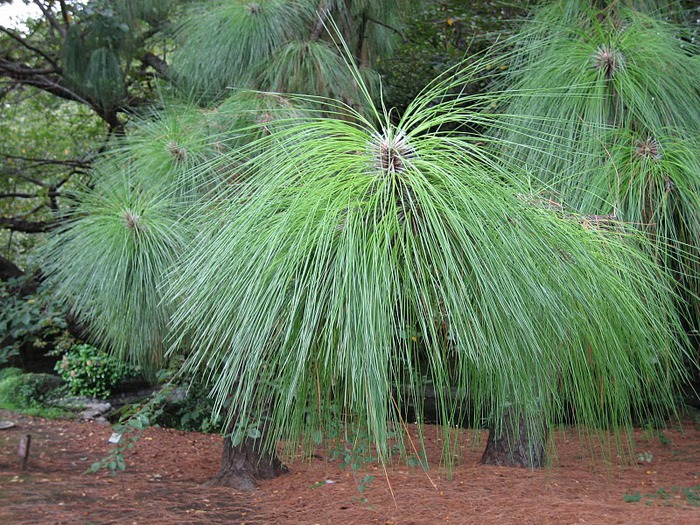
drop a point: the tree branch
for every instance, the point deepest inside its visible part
(21, 69)
(395, 30)
(22, 195)
(17, 195)
(64, 13)
(36, 78)
(73, 163)
(24, 43)
(157, 63)
(18, 173)
(52, 19)
(25, 226)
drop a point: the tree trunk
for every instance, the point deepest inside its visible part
(516, 445)
(9, 270)
(243, 464)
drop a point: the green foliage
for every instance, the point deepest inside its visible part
(440, 34)
(125, 231)
(193, 412)
(615, 92)
(99, 51)
(108, 263)
(632, 498)
(161, 146)
(28, 391)
(90, 372)
(43, 141)
(247, 35)
(283, 46)
(33, 321)
(294, 66)
(690, 494)
(10, 371)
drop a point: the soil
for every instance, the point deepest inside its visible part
(166, 472)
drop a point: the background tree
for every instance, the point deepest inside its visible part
(68, 80)
(284, 46)
(75, 77)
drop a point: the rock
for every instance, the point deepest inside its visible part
(95, 411)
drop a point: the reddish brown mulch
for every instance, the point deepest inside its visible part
(163, 484)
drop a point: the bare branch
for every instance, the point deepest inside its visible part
(37, 78)
(21, 195)
(52, 19)
(391, 28)
(64, 13)
(157, 63)
(21, 69)
(74, 163)
(18, 195)
(38, 182)
(22, 225)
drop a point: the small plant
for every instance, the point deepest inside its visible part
(645, 457)
(130, 430)
(417, 460)
(354, 454)
(632, 498)
(134, 420)
(91, 372)
(363, 483)
(654, 431)
(690, 494)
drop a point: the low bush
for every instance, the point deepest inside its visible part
(91, 372)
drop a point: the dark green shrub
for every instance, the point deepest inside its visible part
(18, 392)
(27, 322)
(10, 371)
(91, 372)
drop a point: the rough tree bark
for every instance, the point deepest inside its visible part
(516, 445)
(243, 465)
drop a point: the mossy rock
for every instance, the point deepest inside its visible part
(25, 391)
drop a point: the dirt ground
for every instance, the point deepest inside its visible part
(165, 474)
